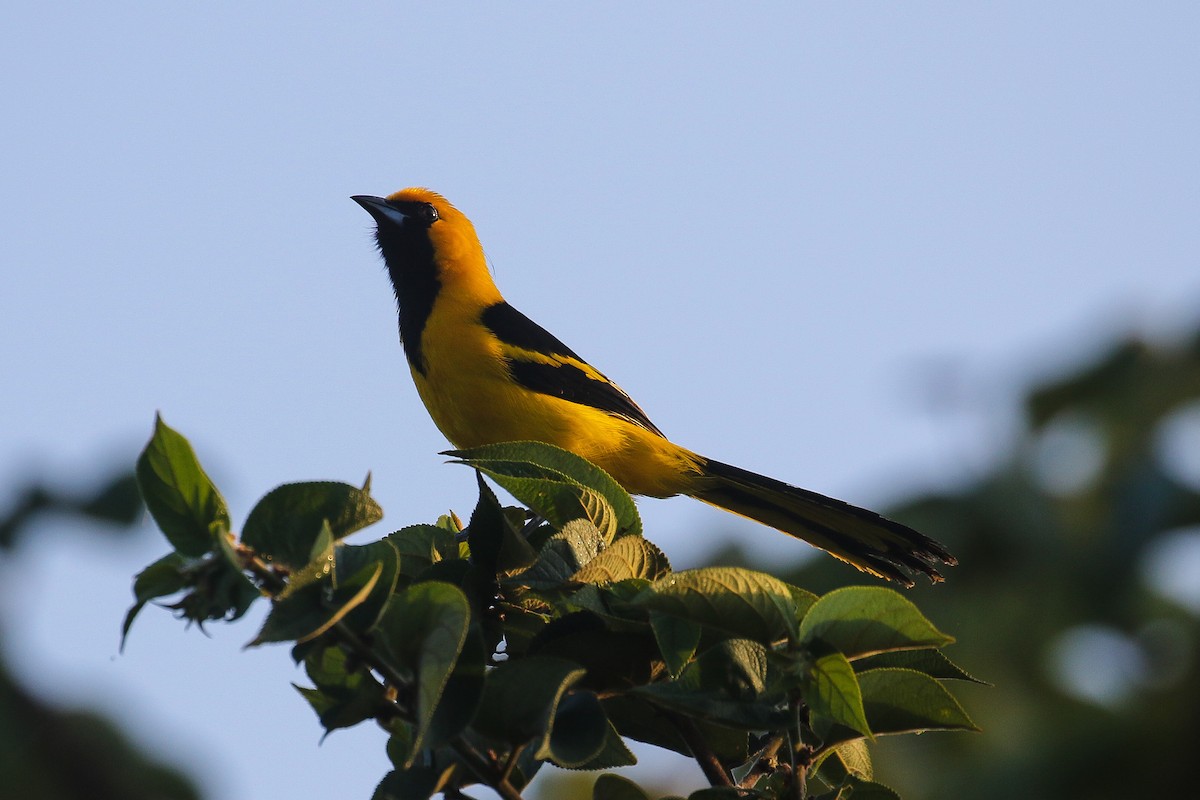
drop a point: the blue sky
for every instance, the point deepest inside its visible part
(791, 231)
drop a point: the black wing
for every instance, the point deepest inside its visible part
(541, 363)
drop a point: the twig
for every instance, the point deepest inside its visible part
(479, 765)
(760, 765)
(799, 766)
(511, 763)
(709, 763)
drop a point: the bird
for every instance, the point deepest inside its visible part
(488, 374)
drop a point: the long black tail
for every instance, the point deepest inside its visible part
(859, 537)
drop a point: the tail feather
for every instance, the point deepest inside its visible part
(857, 536)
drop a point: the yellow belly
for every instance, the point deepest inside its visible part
(473, 401)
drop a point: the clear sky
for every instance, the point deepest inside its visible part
(828, 242)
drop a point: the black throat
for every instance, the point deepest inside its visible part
(408, 254)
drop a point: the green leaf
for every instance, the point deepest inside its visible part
(563, 555)
(320, 566)
(904, 701)
(737, 601)
(460, 698)
(932, 662)
(425, 627)
(417, 783)
(232, 591)
(615, 787)
(613, 753)
(861, 789)
(450, 522)
(614, 659)
(353, 558)
(727, 685)
(521, 697)
(558, 485)
(219, 589)
(182, 499)
(628, 557)
(832, 693)
(399, 744)
(864, 620)
(579, 732)
(803, 600)
(677, 640)
(496, 545)
(285, 525)
(315, 608)
(161, 578)
(422, 546)
(835, 764)
(637, 719)
(524, 617)
(343, 697)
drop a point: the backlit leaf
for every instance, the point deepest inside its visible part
(180, 496)
(863, 620)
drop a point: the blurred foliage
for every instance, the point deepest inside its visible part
(1053, 541)
(115, 501)
(50, 753)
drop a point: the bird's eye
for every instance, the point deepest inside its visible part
(429, 214)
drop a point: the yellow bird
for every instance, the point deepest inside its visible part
(487, 374)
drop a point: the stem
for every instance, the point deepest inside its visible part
(479, 765)
(705, 757)
(762, 763)
(511, 763)
(269, 578)
(799, 766)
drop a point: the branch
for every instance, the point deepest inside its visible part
(713, 770)
(479, 765)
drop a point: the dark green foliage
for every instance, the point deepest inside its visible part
(550, 635)
(1040, 557)
(49, 752)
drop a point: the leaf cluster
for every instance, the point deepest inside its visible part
(552, 632)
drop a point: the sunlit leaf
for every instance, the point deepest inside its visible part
(628, 557)
(864, 620)
(737, 601)
(832, 692)
(546, 478)
(903, 700)
(563, 555)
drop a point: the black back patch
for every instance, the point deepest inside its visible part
(559, 379)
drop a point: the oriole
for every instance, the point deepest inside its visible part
(487, 373)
